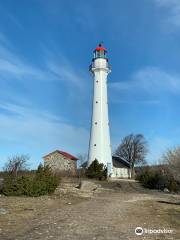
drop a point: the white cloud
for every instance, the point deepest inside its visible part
(168, 3)
(35, 125)
(56, 68)
(19, 70)
(151, 81)
(12, 65)
(65, 72)
(24, 129)
(38, 131)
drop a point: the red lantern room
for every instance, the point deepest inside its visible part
(100, 52)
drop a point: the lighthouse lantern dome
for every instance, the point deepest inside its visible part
(100, 52)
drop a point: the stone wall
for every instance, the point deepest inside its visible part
(59, 163)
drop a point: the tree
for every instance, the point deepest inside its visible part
(172, 159)
(16, 164)
(133, 149)
(96, 170)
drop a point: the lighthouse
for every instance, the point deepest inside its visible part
(99, 144)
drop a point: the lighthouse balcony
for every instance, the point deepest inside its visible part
(99, 65)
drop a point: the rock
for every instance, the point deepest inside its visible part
(3, 211)
(88, 186)
(166, 190)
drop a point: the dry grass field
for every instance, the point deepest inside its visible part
(109, 212)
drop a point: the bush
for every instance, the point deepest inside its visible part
(15, 186)
(44, 182)
(96, 170)
(171, 158)
(149, 179)
(173, 186)
(158, 179)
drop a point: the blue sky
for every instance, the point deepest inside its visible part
(45, 87)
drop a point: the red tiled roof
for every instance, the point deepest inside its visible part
(63, 153)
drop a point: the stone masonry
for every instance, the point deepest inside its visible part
(62, 162)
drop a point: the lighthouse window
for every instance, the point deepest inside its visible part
(98, 54)
(96, 123)
(97, 81)
(96, 101)
(102, 54)
(95, 145)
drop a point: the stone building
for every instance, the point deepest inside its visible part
(62, 162)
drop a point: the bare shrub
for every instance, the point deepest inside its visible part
(172, 161)
(16, 164)
(158, 177)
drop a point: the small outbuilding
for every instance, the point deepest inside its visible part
(121, 168)
(62, 162)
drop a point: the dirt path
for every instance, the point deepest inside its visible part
(112, 213)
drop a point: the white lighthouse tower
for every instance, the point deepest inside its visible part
(99, 145)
